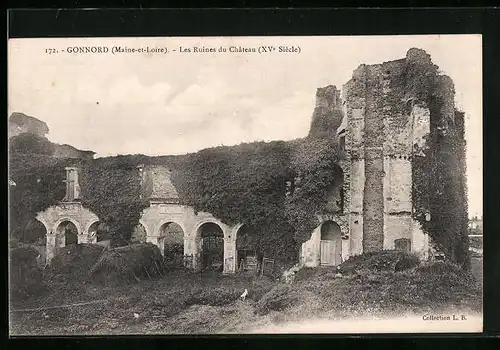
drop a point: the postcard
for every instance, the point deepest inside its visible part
(236, 185)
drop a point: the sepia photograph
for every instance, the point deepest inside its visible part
(245, 185)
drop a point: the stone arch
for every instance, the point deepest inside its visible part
(158, 229)
(48, 227)
(72, 212)
(212, 234)
(171, 241)
(34, 232)
(91, 225)
(139, 234)
(209, 220)
(245, 248)
(95, 233)
(330, 243)
(67, 218)
(145, 226)
(64, 236)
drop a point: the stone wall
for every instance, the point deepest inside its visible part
(73, 212)
(20, 123)
(157, 183)
(310, 250)
(327, 115)
(382, 136)
(160, 213)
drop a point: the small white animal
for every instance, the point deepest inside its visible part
(136, 315)
(244, 295)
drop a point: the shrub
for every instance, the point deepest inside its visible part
(75, 261)
(30, 143)
(385, 260)
(128, 264)
(26, 277)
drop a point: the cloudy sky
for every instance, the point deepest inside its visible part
(181, 102)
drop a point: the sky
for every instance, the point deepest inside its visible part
(180, 102)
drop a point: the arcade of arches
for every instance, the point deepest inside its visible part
(195, 240)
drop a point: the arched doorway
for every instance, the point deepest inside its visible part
(66, 234)
(246, 250)
(99, 233)
(330, 244)
(139, 234)
(172, 241)
(35, 233)
(212, 238)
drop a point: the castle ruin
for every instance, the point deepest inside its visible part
(377, 139)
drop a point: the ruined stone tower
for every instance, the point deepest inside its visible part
(382, 134)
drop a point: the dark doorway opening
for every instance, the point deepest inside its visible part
(212, 238)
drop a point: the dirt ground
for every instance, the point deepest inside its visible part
(178, 302)
(192, 303)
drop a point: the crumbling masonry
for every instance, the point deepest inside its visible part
(378, 140)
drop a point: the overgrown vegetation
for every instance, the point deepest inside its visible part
(439, 175)
(246, 184)
(277, 189)
(184, 302)
(38, 185)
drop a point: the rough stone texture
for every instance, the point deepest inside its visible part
(157, 184)
(310, 250)
(395, 227)
(154, 217)
(397, 187)
(373, 203)
(381, 137)
(327, 115)
(344, 165)
(20, 123)
(73, 212)
(419, 241)
(72, 184)
(357, 184)
(355, 234)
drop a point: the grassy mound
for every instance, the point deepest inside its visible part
(128, 264)
(389, 280)
(74, 262)
(437, 283)
(385, 260)
(279, 298)
(26, 277)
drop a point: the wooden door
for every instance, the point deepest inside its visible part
(327, 253)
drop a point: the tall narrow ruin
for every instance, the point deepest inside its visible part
(387, 118)
(382, 136)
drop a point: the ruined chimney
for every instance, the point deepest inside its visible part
(72, 184)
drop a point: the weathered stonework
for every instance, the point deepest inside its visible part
(310, 251)
(385, 136)
(73, 212)
(381, 135)
(164, 208)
